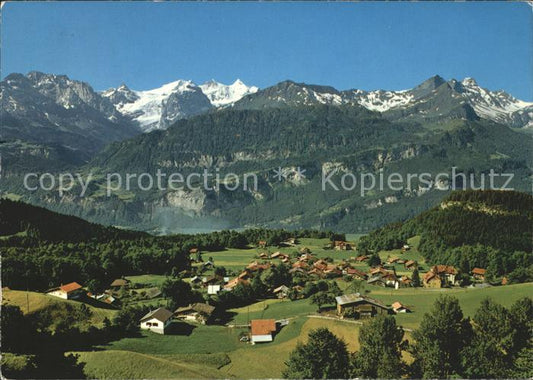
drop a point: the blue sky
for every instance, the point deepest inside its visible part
(346, 45)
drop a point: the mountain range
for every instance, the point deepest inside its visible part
(51, 123)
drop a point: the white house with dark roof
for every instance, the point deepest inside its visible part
(157, 320)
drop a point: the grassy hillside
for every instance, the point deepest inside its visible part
(57, 309)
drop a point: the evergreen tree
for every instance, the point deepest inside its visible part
(442, 335)
(416, 278)
(380, 353)
(374, 260)
(324, 356)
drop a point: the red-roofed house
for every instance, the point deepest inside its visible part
(69, 291)
(479, 273)
(262, 330)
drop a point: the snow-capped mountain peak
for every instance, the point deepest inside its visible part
(159, 107)
(221, 95)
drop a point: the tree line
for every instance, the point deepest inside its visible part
(496, 343)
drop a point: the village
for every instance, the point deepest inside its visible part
(330, 275)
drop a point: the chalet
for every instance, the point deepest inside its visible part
(410, 265)
(69, 291)
(316, 272)
(277, 255)
(406, 248)
(406, 282)
(157, 320)
(343, 265)
(208, 264)
(214, 289)
(392, 260)
(210, 280)
(244, 275)
(440, 276)
(391, 280)
(306, 257)
(397, 307)
(342, 246)
(106, 298)
(401, 261)
(262, 243)
(331, 270)
(281, 291)
(195, 280)
(255, 266)
(379, 271)
(362, 258)
(196, 312)
(262, 330)
(285, 260)
(479, 273)
(320, 264)
(359, 306)
(296, 270)
(376, 280)
(152, 292)
(300, 264)
(263, 255)
(194, 251)
(236, 281)
(356, 273)
(119, 283)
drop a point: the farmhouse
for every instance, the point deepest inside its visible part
(236, 281)
(359, 306)
(276, 255)
(440, 276)
(69, 291)
(152, 292)
(195, 280)
(355, 273)
(262, 330)
(397, 307)
(281, 291)
(197, 312)
(479, 273)
(300, 264)
(213, 289)
(157, 320)
(119, 283)
(342, 246)
(410, 265)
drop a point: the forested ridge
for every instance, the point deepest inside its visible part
(486, 229)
